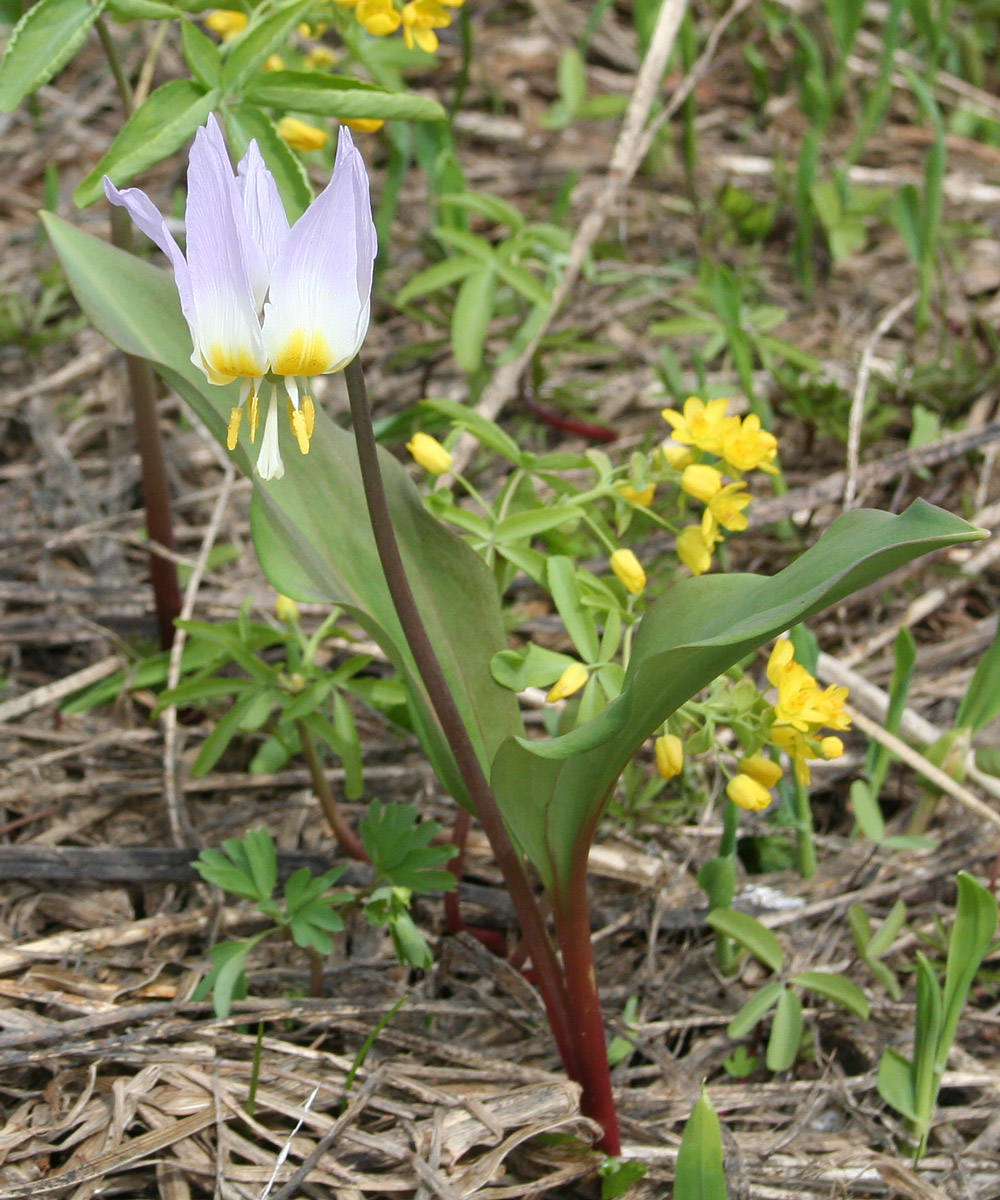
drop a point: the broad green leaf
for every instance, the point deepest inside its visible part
(312, 528)
(42, 43)
(246, 122)
(786, 1032)
(553, 791)
(701, 1171)
(162, 125)
(755, 1008)
(257, 42)
(895, 1083)
(750, 934)
(201, 54)
(836, 988)
(338, 96)
(470, 319)
(975, 925)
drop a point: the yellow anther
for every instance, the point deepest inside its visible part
(254, 407)
(301, 430)
(233, 431)
(309, 411)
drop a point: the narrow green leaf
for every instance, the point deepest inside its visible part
(533, 667)
(143, 10)
(263, 860)
(750, 934)
(926, 1040)
(42, 43)
(975, 925)
(701, 1173)
(981, 703)
(338, 96)
(861, 929)
(895, 1083)
(885, 935)
(759, 1004)
(786, 1032)
(491, 207)
(529, 524)
(836, 988)
(579, 622)
(225, 730)
(482, 428)
(470, 319)
(159, 127)
(867, 811)
(258, 41)
(436, 278)
(201, 54)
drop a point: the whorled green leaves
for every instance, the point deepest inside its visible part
(553, 792)
(311, 528)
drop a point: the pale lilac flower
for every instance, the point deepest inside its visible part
(267, 304)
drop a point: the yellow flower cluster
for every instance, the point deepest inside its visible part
(739, 446)
(802, 710)
(419, 19)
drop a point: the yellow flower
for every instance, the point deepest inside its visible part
(629, 571)
(285, 608)
(746, 446)
(746, 792)
(765, 770)
(669, 750)
(320, 56)
(304, 29)
(643, 497)
(795, 743)
(274, 63)
(701, 481)
(694, 549)
(226, 22)
(364, 124)
(727, 506)
(379, 17)
(702, 425)
(301, 136)
(420, 19)
(570, 681)
(429, 453)
(802, 709)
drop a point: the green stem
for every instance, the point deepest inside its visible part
(345, 835)
(550, 979)
(805, 847)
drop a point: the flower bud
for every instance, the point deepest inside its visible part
(831, 747)
(746, 792)
(274, 62)
(429, 453)
(285, 609)
(570, 681)
(701, 481)
(693, 550)
(301, 136)
(364, 124)
(629, 571)
(764, 770)
(641, 497)
(226, 22)
(669, 750)
(675, 456)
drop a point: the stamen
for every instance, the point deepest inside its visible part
(300, 429)
(309, 410)
(233, 432)
(254, 415)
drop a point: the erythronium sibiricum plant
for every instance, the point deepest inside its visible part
(346, 525)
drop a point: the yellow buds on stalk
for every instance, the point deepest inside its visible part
(642, 498)
(669, 751)
(570, 681)
(832, 747)
(429, 453)
(764, 770)
(629, 571)
(802, 709)
(379, 17)
(285, 609)
(747, 793)
(701, 481)
(301, 136)
(226, 22)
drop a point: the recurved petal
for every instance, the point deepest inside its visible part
(265, 214)
(227, 333)
(149, 219)
(320, 297)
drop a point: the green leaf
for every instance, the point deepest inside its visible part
(579, 621)
(786, 1032)
(338, 96)
(201, 54)
(981, 703)
(215, 867)
(618, 1175)
(245, 122)
(552, 791)
(701, 1173)
(926, 1040)
(886, 933)
(755, 1008)
(867, 811)
(717, 878)
(975, 925)
(435, 279)
(258, 42)
(532, 667)
(895, 1083)
(263, 860)
(42, 43)
(159, 127)
(482, 428)
(490, 207)
(227, 979)
(836, 988)
(142, 10)
(214, 746)
(529, 524)
(470, 319)
(750, 934)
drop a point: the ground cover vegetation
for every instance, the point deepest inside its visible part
(659, 556)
